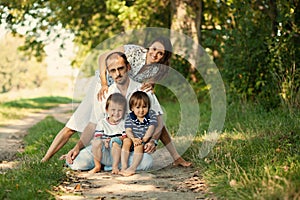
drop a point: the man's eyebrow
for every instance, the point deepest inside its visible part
(118, 68)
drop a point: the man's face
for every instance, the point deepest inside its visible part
(117, 69)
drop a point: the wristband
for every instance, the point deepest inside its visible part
(155, 142)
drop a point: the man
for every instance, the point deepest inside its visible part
(117, 67)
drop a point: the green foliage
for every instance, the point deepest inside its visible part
(33, 179)
(91, 22)
(259, 52)
(18, 71)
(254, 43)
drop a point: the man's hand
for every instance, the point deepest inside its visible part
(150, 147)
(102, 92)
(71, 155)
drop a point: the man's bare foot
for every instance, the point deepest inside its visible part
(95, 170)
(115, 171)
(181, 162)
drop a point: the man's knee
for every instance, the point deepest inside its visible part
(97, 143)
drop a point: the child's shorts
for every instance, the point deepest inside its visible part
(106, 152)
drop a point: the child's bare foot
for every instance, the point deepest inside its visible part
(180, 161)
(115, 171)
(127, 172)
(95, 170)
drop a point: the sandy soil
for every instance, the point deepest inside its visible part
(167, 183)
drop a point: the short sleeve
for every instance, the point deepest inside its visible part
(128, 122)
(153, 118)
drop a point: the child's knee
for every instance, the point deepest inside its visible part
(127, 142)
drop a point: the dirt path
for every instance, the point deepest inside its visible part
(11, 135)
(167, 183)
(164, 181)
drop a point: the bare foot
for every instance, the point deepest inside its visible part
(181, 162)
(115, 171)
(127, 172)
(95, 170)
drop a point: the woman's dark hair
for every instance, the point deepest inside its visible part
(168, 49)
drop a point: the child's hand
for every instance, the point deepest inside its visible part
(106, 144)
(137, 141)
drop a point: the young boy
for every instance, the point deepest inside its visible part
(140, 124)
(109, 133)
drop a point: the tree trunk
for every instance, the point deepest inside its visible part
(186, 19)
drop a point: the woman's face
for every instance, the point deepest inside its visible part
(155, 53)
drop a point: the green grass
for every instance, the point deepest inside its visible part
(33, 179)
(18, 109)
(256, 157)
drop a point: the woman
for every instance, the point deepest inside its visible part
(159, 51)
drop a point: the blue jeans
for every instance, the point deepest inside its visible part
(85, 161)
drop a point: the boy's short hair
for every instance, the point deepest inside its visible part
(118, 99)
(136, 97)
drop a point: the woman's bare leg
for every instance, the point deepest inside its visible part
(167, 141)
(59, 141)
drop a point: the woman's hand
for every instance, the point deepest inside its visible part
(148, 86)
(102, 92)
(150, 147)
